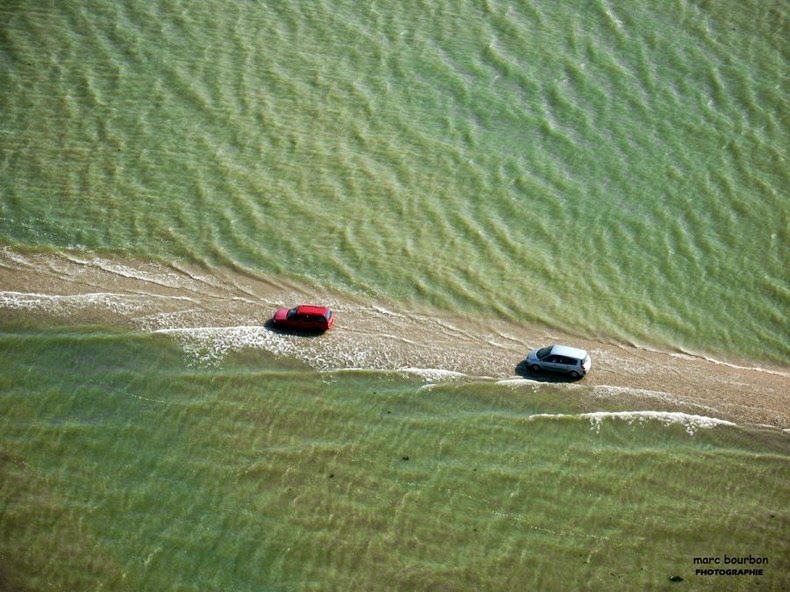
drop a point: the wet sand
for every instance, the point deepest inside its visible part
(212, 313)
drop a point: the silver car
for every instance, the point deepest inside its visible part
(560, 358)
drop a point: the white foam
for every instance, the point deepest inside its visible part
(521, 381)
(433, 374)
(160, 277)
(61, 304)
(396, 338)
(730, 365)
(609, 390)
(126, 305)
(691, 422)
(209, 345)
(15, 257)
(516, 381)
(507, 337)
(385, 312)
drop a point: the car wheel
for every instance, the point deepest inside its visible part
(534, 368)
(574, 374)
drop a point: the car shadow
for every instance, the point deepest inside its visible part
(269, 326)
(522, 370)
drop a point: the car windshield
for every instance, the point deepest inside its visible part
(291, 313)
(542, 353)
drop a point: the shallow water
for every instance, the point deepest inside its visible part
(460, 182)
(616, 172)
(264, 475)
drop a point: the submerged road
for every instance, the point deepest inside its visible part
(212, 313)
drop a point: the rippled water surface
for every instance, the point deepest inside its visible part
(125, 469)
(614, 173)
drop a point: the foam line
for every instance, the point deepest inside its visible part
(691, 422)
(164, 278)
(33, 301)
(733, 366)
(433, 374)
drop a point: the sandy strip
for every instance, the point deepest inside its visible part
(214, 312)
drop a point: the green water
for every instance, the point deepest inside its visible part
(613, 170)
(124, 469)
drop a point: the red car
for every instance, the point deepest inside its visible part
(304, 318)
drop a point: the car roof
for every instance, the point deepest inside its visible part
(309, 309)
(570, 352)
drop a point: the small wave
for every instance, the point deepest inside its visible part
(121, 304)
(387, 313)
(692, 423)
(515, 381)
(175, 278)
(690, 356)
(163, 278)
(730, 365)
(209, 345)
(60, 304)
(433, 374)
